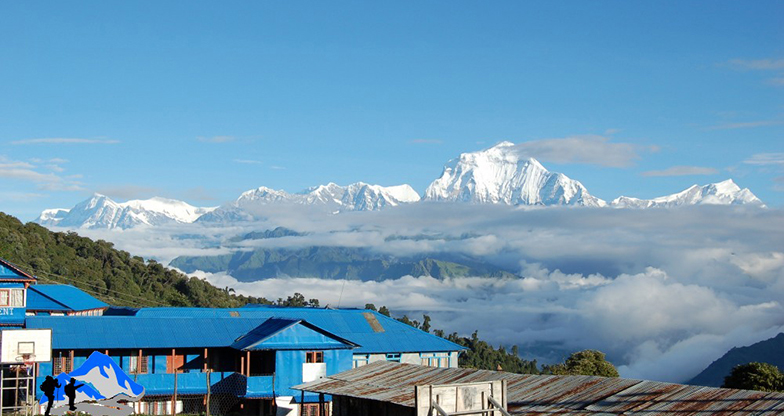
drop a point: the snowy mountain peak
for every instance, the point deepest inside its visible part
(721, 193)
(100, 211)
(358, 196)
(501, 175)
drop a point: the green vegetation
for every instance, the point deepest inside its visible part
(755, 376)
(332, 263)
(585, 363)
(483, 356)
(111, 275)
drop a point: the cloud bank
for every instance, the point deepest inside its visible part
(662, 292)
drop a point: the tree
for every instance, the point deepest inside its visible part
(755, 376)
(425, 323)
(384, 311)
(370, 306)
(586, 363)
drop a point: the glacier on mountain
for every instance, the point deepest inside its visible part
(721, 193)
(334, 198)
(100, 211)
(501, 175)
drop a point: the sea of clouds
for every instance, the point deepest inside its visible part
(662, 292)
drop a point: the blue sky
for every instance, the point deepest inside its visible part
(203, 100)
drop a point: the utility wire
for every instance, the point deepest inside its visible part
(127, 295)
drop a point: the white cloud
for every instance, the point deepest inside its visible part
(765, 65)
(27, 172)
(765, 159)
(584, 149)
(65, 140)
(758, 64)
(662, 292)
(746, 125)
(216, 139)
(682, 171)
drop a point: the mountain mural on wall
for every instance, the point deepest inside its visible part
(497, 175)
(105, 384)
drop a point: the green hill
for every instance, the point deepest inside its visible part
(111, 275)
(770, 351)
(334, 263)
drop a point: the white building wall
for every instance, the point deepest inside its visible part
(449, 359)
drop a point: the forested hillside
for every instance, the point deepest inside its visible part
(112, 275)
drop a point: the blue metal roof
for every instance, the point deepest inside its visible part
(207, 327)
(113, 332)
(353, 325)
(61, 298)
(9, 271)
(285, 334)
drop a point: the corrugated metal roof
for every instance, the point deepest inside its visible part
(350, 324)
(9, 271)
(547, 395)
(61, 298)
(70, 332)
(283, 334)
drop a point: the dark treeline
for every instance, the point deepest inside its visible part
(112, 275)
(479, 354)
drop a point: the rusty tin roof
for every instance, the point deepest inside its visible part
(547, 395)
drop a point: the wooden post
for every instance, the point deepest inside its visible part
(139, 362)
(174, 397)
(208, 390)
(242, 365)
(247, 361)
(206, 360)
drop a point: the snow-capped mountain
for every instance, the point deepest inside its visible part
(501, 175)
(104, 375)
(357, 196)
(101, 384)
(720, 193)
(99, 211)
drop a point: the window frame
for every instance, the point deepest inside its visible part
(314, 357)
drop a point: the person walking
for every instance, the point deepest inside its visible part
(70, 391)
(48, 387)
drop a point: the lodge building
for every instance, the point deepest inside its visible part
(246, 359)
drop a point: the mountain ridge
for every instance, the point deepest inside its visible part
(766, 351)
(496, 175)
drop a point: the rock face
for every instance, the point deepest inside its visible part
(100, 211)
(720, 193)
(499, 175)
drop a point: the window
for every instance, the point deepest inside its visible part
(314, 357)
(361, 359)
(394, 357)
(134, 362)
(12, 297)
(435, 359)
(310, 409)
